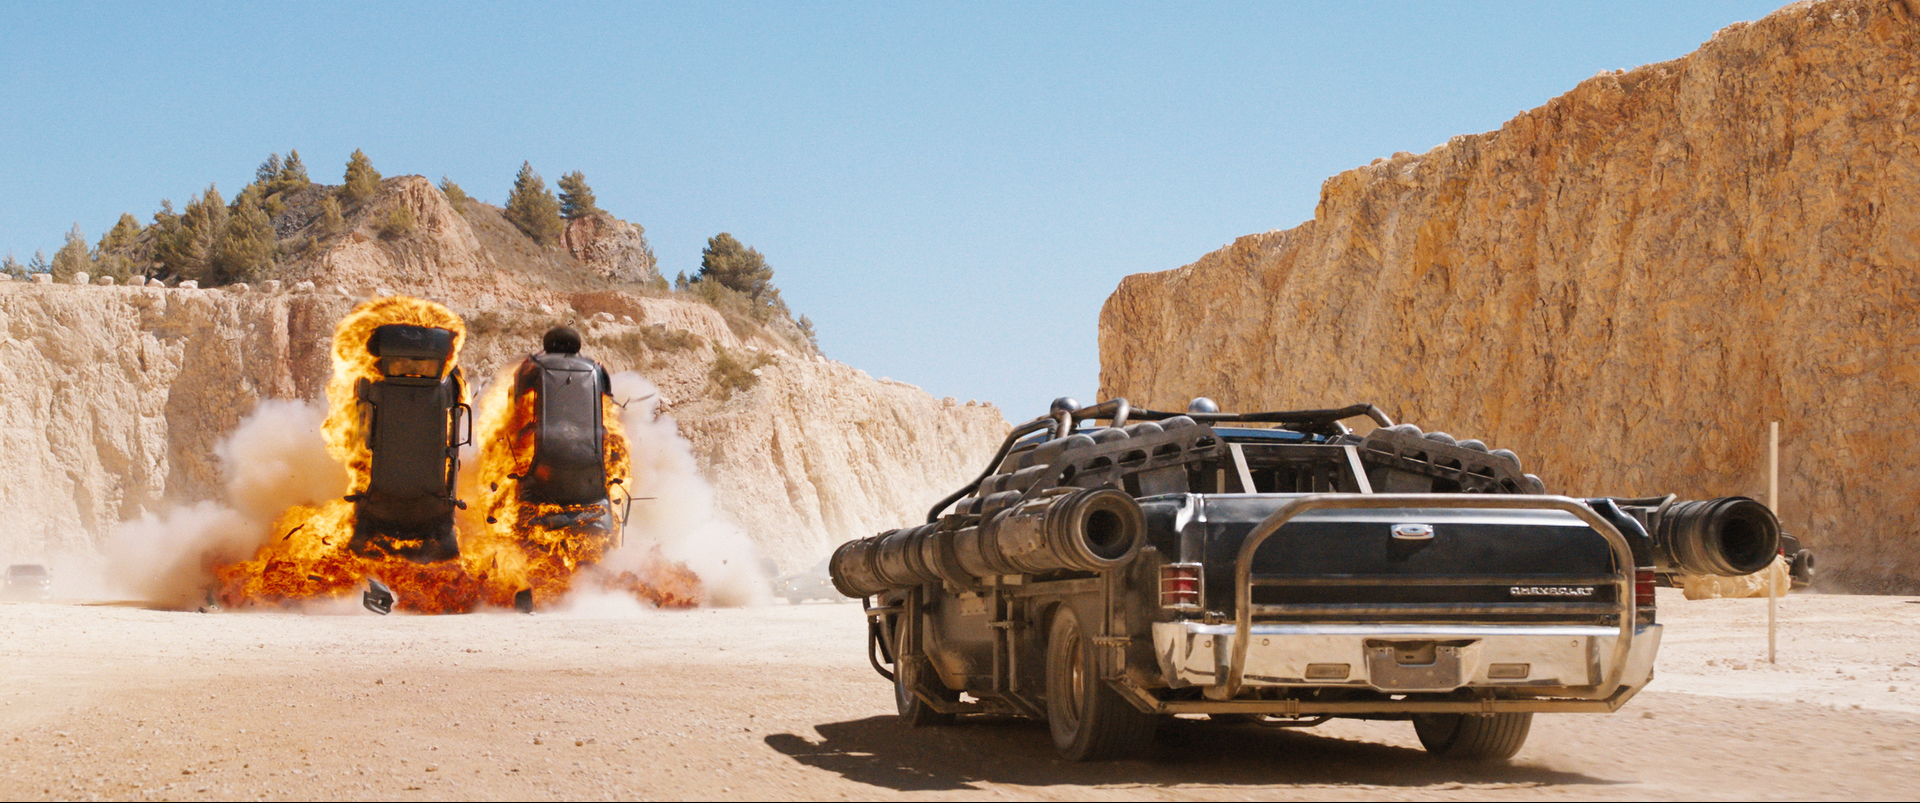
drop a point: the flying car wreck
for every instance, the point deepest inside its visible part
(416, 420)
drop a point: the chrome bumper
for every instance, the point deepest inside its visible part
(1563, 661)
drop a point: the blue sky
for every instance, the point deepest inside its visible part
(949, 191)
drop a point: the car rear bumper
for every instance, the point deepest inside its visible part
(1561, 661)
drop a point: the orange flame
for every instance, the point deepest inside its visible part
(507, 545)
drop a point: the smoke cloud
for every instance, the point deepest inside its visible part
(673, 505)
(275, 459)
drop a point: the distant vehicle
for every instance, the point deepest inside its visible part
(814, 583)
(29, 581)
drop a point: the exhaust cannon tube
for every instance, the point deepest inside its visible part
(1080, 530)
(1726, 537)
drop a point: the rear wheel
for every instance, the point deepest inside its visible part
(1801, 569)
(1473, 737)
(1089, 720)
(913, 710)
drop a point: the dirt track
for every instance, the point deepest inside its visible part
(777, 702)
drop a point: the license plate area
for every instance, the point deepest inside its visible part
(1422, 665)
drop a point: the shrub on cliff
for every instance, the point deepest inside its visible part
(730, 374)
(331, 221)
(576, 198)
(399, 223)
(72, 257)
(12, 267)
(455, 196)
(362, 181)
(532, 208)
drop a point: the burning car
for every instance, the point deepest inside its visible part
(403, 537)
(415, 419)
(568, 472)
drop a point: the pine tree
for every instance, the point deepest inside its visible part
(736, 267)
(362, 180)
(187, 249)
(576, 198)
(166, 232)
(532, 207)
(12, 267)
(113, 256)
(121, 236)
(331, 221)
(806, 329)
(244, 251)
(39, 263)
(293, 174)
(268, 170)
(72, 257)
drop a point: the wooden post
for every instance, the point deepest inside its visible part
(1773, 501)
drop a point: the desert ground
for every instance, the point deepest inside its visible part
(117, 701)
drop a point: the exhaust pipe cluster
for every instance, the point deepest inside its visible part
(1074, 530)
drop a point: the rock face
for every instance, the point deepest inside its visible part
(117, 395)
(615, 249)
(1623, 285)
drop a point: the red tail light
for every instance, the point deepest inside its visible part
(1643, 587)
(1180, 586)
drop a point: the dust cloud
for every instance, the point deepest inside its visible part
(673, 505)
(276, 458)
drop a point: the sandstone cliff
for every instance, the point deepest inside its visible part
(1623, 285)
(118, 394)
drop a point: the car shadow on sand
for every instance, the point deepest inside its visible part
(881, 751)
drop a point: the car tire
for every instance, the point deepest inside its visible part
(1800, 570)
(1089, 720)
(913, 710)
(1473, 737)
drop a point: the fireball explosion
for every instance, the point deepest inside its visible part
(512, 551)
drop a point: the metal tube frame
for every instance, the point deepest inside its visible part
(1243, 568)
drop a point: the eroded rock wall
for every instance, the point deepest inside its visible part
(1623, 285)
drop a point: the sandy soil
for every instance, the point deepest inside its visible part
(778, 703)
